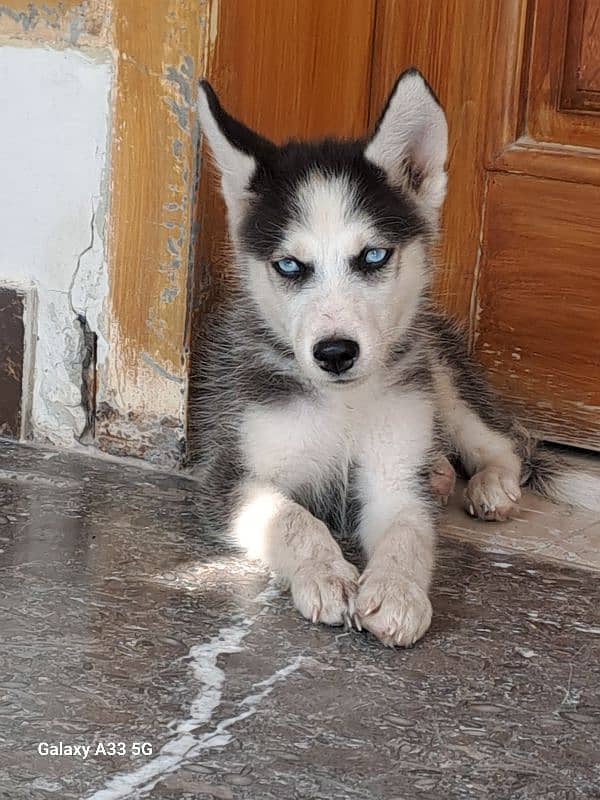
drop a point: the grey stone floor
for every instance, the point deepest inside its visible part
(123, 623)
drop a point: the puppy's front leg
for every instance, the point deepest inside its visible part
(398, 536)
(298, 547)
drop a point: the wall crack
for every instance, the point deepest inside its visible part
(88, 350)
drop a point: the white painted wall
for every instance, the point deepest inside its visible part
(53, 182)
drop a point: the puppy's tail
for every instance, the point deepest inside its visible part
(548, 474)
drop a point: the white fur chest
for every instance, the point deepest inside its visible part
(308, 440)
(294, 445)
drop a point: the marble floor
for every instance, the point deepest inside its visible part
(140, 658)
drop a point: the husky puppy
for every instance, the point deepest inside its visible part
(328, 388)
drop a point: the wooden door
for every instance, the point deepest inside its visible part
(536, 313)
(519, 261)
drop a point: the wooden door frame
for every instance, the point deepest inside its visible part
(160, 56)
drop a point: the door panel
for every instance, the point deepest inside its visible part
(581, 78)
(540, 123)
(557, 45)
(538, 326)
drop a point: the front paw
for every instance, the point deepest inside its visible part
(493, 494)
(325, 591)
(392, 607)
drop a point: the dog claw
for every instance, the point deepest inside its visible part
(357, 623)
(494, 493)
(369, 610)
(347, 622)
(315, 615)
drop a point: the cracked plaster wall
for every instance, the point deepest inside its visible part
(54, 149)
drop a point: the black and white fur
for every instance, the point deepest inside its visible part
(285, 447)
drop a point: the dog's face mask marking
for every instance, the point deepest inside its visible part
(331, 236)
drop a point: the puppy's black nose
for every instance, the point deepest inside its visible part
(335, 355)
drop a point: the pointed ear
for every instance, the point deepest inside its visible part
(410, 142)
(235, 148)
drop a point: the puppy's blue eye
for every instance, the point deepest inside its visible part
(288, 267)
(376, 256)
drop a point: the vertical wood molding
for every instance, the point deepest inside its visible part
(506, 120)
(141, 391)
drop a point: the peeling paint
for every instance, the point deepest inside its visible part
(173, 246)
(160, 370)
(156, 324)
(181, 78)
(169, 294)
(156, 438)
(181, 112)
(177, 148)
(67, 23)
(29, 19)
